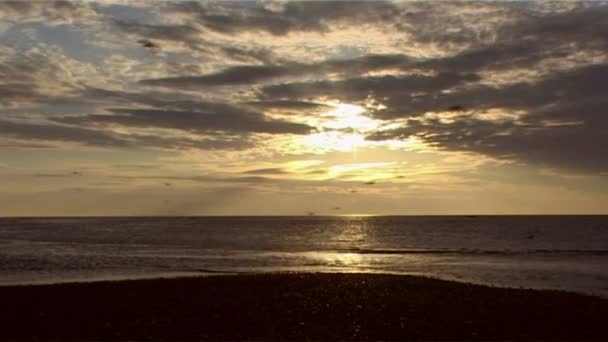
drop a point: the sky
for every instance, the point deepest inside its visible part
(283, 108)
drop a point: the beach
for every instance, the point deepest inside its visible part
(296, 306)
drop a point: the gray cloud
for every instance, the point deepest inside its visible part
(267, 171)
(32, 131)
(576, 147)
(216, 142)
(191, 37)
(58, 11)
(232, 76)
(565, 123)
(57, 175)
(286, 105)
(100, 138)
(183, 102)
(149, 98)
(24, 145)
(176, 33)
(223, 125)
(531, 39)
(216, 117)
(252, 74)
(229, 18)
(385, 88)
(573, 85)
(584, 26)
(25, 76)
(11, 93)
(535, 41)
(522, 43)
(499, 56)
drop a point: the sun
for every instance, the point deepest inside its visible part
(349, 116)
(342, 128)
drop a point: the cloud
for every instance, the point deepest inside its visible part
(53, 133)
(37, 131)
(24, 76)
(267, 171)
(391, 89)
(52, 12)
(256, 74)
(452, 76)
(572, 85)
(559, 121)
(283, 18)
(530, 39)
(215, 117)
(215, 125)
(57, 175)
(550, 119)
(165, 100)
(37, 75)
(584, 26)
(216, 142)
(189, 38)
(165, 32)
(286, 105)
(183, 112)
(232, 76)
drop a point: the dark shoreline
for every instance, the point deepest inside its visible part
(296, 306)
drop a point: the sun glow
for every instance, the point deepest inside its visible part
(346, 168)
(336, 141)
(349, 116)
(344, 128)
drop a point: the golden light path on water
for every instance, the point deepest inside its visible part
(349, 233)
(353, 248)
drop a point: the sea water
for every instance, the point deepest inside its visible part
(546, 252)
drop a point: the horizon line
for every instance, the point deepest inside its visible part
(291, 215)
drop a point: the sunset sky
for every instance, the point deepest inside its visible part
(281, 108)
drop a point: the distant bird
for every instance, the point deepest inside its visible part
(456, 108)
(353, 191)
(336, 208)
(400, 176)
(167, 184)
(76, 173)
(370, 183)
(148, 44)
(310, 213)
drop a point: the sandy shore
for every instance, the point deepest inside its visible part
(296, 306)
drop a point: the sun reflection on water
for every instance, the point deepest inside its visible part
(348, 234)
(353, 232)
(347, 259)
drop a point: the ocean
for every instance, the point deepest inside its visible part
(544, 252)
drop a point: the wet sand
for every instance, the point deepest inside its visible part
(296, 306)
